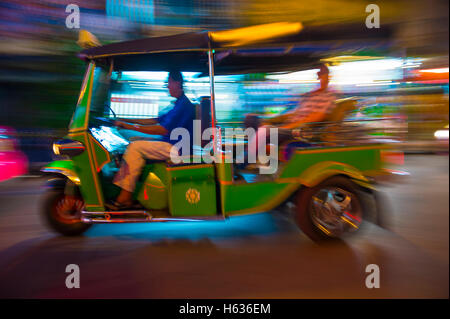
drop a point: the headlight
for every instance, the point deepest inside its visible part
(68, 147)
(55, 149)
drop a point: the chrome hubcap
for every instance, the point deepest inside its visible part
(335, 211)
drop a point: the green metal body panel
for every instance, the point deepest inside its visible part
(246, 198)
(310, 167)
(61, 164)
(192, 190)
(63, 167)
(100, 154)
(307, 167)
(153, 192)
(86, 168)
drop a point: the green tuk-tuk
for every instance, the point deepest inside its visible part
(328, 181)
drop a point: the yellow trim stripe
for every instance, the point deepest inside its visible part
(83, 86)
(91, 145)
(65, 171)
(88, 106)
(341, 149)
(278, 181)
(77, 133)
(78, 130)
(189, 167)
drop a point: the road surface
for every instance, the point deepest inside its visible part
(255, 256)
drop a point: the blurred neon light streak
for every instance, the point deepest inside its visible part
(379, 83)
(441, 134)
(440, 70)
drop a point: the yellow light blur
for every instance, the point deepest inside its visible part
(323, 229)
(349, 222)
(256, 33)
(350, 58)
(87, 40)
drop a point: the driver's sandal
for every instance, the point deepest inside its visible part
(116, 206)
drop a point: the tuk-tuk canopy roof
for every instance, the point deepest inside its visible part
(263, 48)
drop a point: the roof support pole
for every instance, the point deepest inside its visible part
(213, 99)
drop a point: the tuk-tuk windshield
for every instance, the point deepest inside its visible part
(100, 90)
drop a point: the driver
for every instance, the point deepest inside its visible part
(181, 115)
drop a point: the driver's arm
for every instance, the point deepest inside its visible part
(140, 121)
(309, 118)
(147, 129)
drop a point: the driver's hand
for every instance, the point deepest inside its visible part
(119, 124)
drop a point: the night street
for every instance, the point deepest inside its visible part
(254, 256)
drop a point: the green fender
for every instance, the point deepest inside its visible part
(317, 173)
(63, 167)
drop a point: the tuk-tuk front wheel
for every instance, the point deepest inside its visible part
(63, 212)
(330, 210)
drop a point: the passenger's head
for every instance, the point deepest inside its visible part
(175, 84)
(323, 76)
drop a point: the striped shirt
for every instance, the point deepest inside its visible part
(313, 102)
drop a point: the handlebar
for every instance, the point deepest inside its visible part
(105, 121)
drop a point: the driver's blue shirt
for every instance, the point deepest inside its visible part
(181, 115)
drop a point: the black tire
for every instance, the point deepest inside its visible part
(52, 213)
(307, 221)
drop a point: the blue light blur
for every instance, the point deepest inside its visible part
(238, 226)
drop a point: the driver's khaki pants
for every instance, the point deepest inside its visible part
(134, 160)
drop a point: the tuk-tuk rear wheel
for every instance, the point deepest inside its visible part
(331, 210)
(63, 212)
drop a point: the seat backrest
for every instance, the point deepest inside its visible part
(341, 110)
(204, 115)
